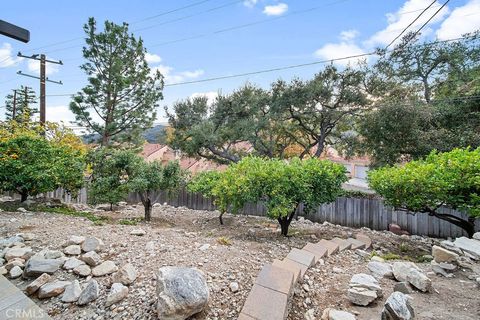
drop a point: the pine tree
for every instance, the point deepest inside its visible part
(21, 105)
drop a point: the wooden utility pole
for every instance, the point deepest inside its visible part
(14, 110)
(43, 79)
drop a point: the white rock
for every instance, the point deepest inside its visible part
(72, 263)
(76, 240)
(443, 255)
(72, 292)
(126, 274)
(91, 258)
(104, 268)
(22, 253)
(332, 314)
(380, 269)
(204, 247)
(138, 232)
(73, 250)
(377, 258)
(234, 287)
(471, 246)
(401, 270)
(476, 236)
(53, 254)
(82, 270)
(363, 289)
(118, 292)
(397, 307)
(15, 272)
(92, 244)
(419, 280)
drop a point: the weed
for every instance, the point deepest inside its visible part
(403, 247)
(224, 241)
(129, 222)
(390, 256)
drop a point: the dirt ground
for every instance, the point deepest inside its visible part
(237, 252)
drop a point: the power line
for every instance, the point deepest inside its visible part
(410, 24)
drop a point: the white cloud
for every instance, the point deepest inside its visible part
(59, 113)
(211, 96)
(462, 20)
(152, 58)
(250, 3)
(6, 57)
(275, 10)
(172, 77)
(34, 66)
(400, 19)
(345, 48)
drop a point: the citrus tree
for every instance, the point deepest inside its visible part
(282, 186)
(30, 165)
(204, 183)
(450, 179)
(149, 177)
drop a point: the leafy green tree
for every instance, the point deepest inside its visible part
(24, 110)
(110, 169)
(282, 186)
(31, 165)
(149, 177)
(122, 91)
(448, 179)
(204, 183)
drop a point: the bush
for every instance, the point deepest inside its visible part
(282, 186)
(450, 179)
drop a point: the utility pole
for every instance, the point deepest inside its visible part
(14, 104)
(43, 79)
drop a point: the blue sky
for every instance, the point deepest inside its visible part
(287, 33)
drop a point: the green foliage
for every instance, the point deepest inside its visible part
(122, 91)
(204, 182)
(449, 179)
(149, 177)
(31, 165)
(282, 186)
(110, 172)
(23, 101)
(224, 241)
(97, 220)
(129, 222)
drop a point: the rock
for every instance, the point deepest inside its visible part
(438, 270)
(89, 294)
(17, 262)
(476, 236)
(21, 209)
(37, 283)
(138, 232)
(397, 307)
(126, 274)
(92, 244)
(104, 268)
(443, 255)
(471, 246)
(377, 258)
(75, 240)
(204, 247)
(337, 270)
(309, 314)
(91, 258)
(53, 254)
(150, 246)
(363, 289)
(403, 287)
(82, 270)
(27, 236)
(52, 289)
(419, 280)
(9, 241)
(36, 267)
(401, 270)
(451, 247)
(72, 292)
(234, 287)
(15, 272)
(3, 271)
(395, 228)
(118, 292)
(22, 253)
(73, 250)
(72, 263)
(332, 314)
(380, 269)
(181, 292)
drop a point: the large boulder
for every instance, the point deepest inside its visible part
(397, 307)
(443, 255)
(380, 269)
(363, 289)
(471, 246)
(181, 292)
(36, 267)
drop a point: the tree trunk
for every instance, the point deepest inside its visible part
(467, 225)
(148, 209)
(23, 196)
(285, 222)
(220, 217)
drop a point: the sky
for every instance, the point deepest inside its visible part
(192, 40)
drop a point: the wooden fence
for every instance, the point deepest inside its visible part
(350, 212)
